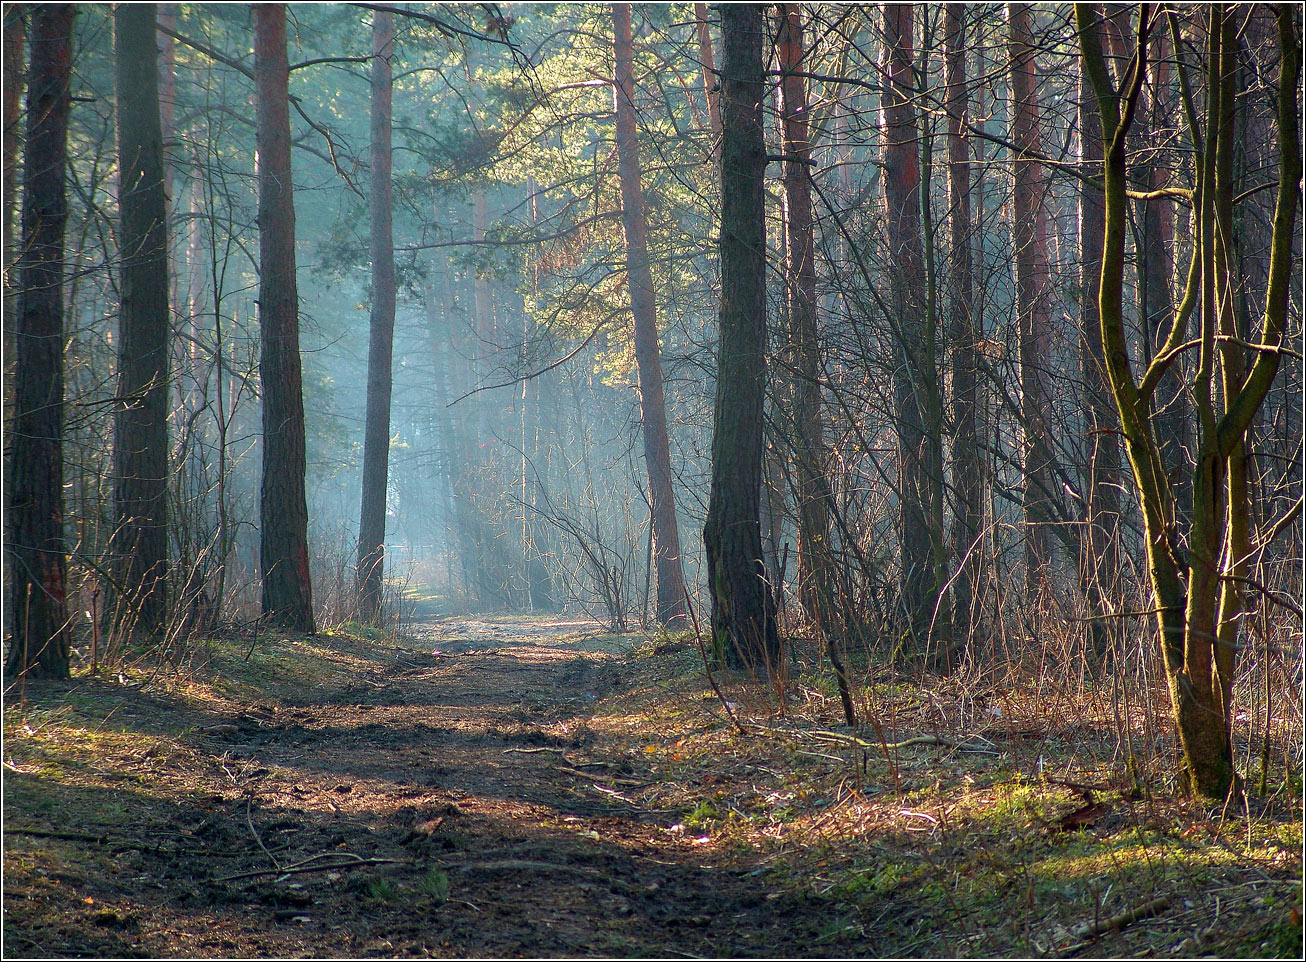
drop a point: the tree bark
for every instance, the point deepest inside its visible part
(376, 436)
(963, 332)
(35, 547)
(283, 509)
(139, 545)
(1103, 479)
(815, 561)
(743, 610)
(14, 17)
(914, 374)
(710, 85)
(643, 305)
(1033, 292)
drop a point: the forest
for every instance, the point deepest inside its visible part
(671, 479)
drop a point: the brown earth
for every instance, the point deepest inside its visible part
(450, 799)
(515, 788)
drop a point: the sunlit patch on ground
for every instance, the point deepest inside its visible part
(494, 786)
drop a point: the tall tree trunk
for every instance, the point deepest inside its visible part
(14, 25)
(963, 332)
(283, 509)
(815, 560)
(710, 85)
(914, 373)
(743, 610)
(657, 447)
(139, 544)
(35, 547)
(376, 437)
(1173, 410)
(1100, 553)
(1033, 292)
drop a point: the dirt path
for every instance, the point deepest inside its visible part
(500, 787)
(462, 770)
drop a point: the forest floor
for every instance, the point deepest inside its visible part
(506, 787)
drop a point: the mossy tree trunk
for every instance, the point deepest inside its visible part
(1196, 594)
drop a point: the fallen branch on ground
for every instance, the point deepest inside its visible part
(1093, 929)
(986, 748)
(302, 868)
(627, 782)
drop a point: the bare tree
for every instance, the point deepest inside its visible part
(1198, 592)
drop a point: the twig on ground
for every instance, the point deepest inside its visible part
(939, 740)
(628, 782)
(62, 836)
(707, 666)
(249, 820)
(302, 868)
(1091, 930)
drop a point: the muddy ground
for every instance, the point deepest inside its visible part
(503, 788)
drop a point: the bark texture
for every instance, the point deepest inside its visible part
(914, 374)
(648, 355)
(380, 354)
(139, 545)
(963, 332)
(1103, 479)
(14, 38)
(743, 609)
(283, 511)
(815, 560)
(705, 56)
(35, 548)
(1033, 291)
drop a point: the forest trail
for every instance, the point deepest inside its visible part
(459, 770)
(508, 786)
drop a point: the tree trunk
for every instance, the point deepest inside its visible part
(963, 334)
(657, 446)
(815, 560)
(1173, 411)
(34, 460)
(1198, 623)
(743, 610)
(710, 85)
(914, 374)
(283, 510)
(1101, 548)
(139, 545)
(1033, 293)
(376, 437)
(14, 16)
